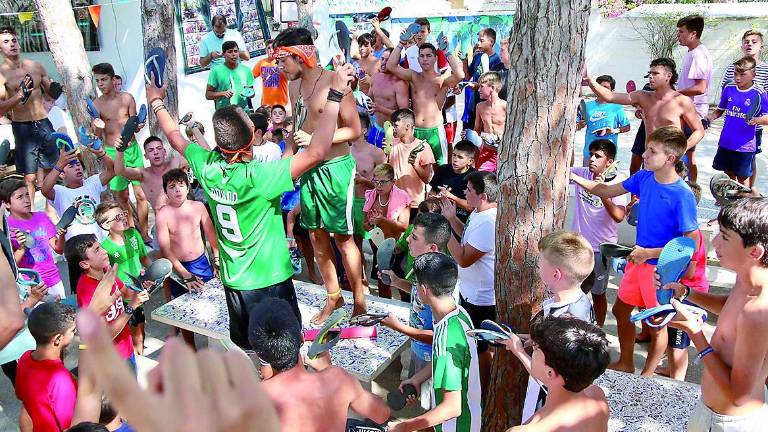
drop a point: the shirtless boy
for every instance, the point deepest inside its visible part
(490, 117)
(429, 92)
(368, 62)
(663, 106)
(367, 156)
(306, 401)
(151, 177)
(327, 188)
(568, 355)
(36, 153)
(736, 357)
(179, 235)
(389, 94)
(114, 109)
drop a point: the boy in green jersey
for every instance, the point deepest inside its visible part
(227, 81)
(454, 371)
(244, 198)
(125, 248)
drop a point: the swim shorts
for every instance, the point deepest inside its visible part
(703, 419)
(35, 148)
(327, 195)
(435, 136)
(597, 281)
(638, 147)
(133, 159)
(359, 217)
(739, 163)
(199, 267)
(637, 285)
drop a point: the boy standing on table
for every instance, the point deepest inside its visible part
(667, 210)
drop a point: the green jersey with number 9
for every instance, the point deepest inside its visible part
(244, 199)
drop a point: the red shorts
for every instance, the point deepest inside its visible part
(637, 285)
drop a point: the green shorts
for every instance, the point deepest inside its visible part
(327, 196)
(359, 218)
(133, 159)
(435, 140)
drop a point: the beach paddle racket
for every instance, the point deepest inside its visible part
(754, 107)
(67, 218)
(631, 86)
(397, 399)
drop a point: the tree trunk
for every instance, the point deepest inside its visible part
(159, 31)
(547, 48)
(66, 44)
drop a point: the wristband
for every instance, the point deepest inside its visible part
(335, 95)
(102, 156)
(152, 102)
(56, 167)
(686, 294)
(703, 353)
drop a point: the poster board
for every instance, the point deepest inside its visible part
(194, 20)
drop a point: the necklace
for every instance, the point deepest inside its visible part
(300, 108)
(378, 198)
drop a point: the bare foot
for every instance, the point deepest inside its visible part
(662, 370)
(359, 309)
(330, 306)
(315, 279)
(621, 367)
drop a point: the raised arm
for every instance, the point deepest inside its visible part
(457, 72)
(606, 95)
(167, 124)
(322, 137)
(600, 189)
(393, 64)
(52, 178)
(109, 165)
(124, 171)
(384, 38)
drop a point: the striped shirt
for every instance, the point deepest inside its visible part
(761, 75)
(455, 368)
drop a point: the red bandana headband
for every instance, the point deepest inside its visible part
(305, 52)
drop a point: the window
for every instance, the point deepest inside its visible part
(30, 34)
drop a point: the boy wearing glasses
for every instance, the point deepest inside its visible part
(124, 247)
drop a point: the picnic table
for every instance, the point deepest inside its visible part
(205, 313)
(647, 404)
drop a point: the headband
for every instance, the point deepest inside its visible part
(305, 52)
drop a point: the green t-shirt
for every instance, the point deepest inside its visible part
(455, 368)
(222, 78)
(244, 199)
(127, 256)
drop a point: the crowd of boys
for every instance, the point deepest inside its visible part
(369, 146)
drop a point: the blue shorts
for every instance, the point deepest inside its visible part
(739, 163)
(678, 338)
(199, 267)
(375, 135)
(35, 147)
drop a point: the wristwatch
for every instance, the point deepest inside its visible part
(128, 310)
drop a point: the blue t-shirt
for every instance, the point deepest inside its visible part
(737, 134)
(472, 98)
(666, 211)
(420, 318)
(601, 116)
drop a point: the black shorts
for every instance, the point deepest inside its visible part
(478, 314)
(638, 147)
(241, 302)
(137, 317)
(35, 148)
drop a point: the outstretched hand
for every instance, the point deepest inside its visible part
(205, 391)
(154, 92)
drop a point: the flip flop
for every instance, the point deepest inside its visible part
(377, 236)
(474, 138)
(33, 277)
(754, 107)
(611, 171)
(384, 258)
(157, 272)
(614, 250)
(485, 63)
(463, 84)
(67, 218)
(88, 139)
(29, 241)
(494, 326)
(63, 140)
(129, 130)
(389, 137)
(91, 108)
(442, 42)
(396, 399)
(55, 90)
(384, 14)
(634, 215)
(187, 117)
(583, 110)
(300, 113)
(5, 150)
(631, 86)
(26, 90)
(672, 263)
(367, 319)
(490, 336)
(155, 65)
(726, 190)
(327, 338)
(141, 116)
(411, 30)
(666, 310)
(248, 92)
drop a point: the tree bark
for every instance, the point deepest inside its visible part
(66, 44)
(159, 31)
(547, 48)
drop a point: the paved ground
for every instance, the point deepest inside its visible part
(156, 332)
